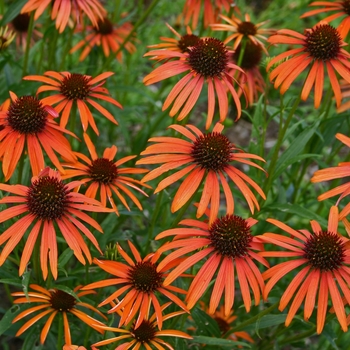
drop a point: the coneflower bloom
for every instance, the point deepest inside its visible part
(146, 334)
(79, 89)
(106, 176)
(206, 63)
(338, 172)
(182, 43)
(139, 281)
(255, 84)
(321, 50)
(321, 264)
(107, 35)
(226, 246)
(63, 10)
(54, 301)
(341, 8)
(225, 323)
(20, 25)
(243, 30)
(204, 158)
(28, 121)
(210, 8)
(44, 206)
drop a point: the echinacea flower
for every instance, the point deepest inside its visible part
(78, 89)
(225, 323)
(45, 206)
(6, 37)
(52, 302)
(28, 121)
(324, 258)
(146, 335)
(226, 246)
(341, 8)
(321, 50)
(210, 9)
(20, 25)
(206, 63)
(63, 10)
(254, 82)
(106, 176)
(107, 35)
(338, 172)
(182, 43)
(243, 30)
(139, 281)
(204, 158)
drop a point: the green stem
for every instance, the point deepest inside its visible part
(60, 331)
(281, 134)
(255, 318)
(29, 36)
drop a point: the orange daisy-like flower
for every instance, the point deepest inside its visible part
(182, 43)
(227, 246)
(106, 176)
(326, 258)
(206, 63)
(146, 334)
(107, 35)
(140, 281)
(63, 10)
(205, 158)
(28, 121)
(255, 84)
(20, 25)
(342, 8)
(211, 10)
(243, 30)
(52, 302)
(321, 49)
(46, 204)
(76, 88)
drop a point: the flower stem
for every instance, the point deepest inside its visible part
(60, 331)
(29, 36)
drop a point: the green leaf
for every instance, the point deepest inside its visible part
(6, 320)
(294, 150)
(25, 282)
(64, 257)
(270, 320)
(219, 342)
(205, 323)
(13, 281)
(13, 10)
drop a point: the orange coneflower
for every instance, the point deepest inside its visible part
(52, 302)
(226, 245)
(206, 157)
(225, 323)
(321, 49)
(146, 334)
(27, 120)
(342, 8)
(206, 63)
(255, 83)
(76, 88)
(326, 258)
(211, 10)
(20, 25)
(338, 172)
(106, 176)
(182, 43)
(107, 35)
(140, 280)
(63, 10)
(48, 204)
(243, 30)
